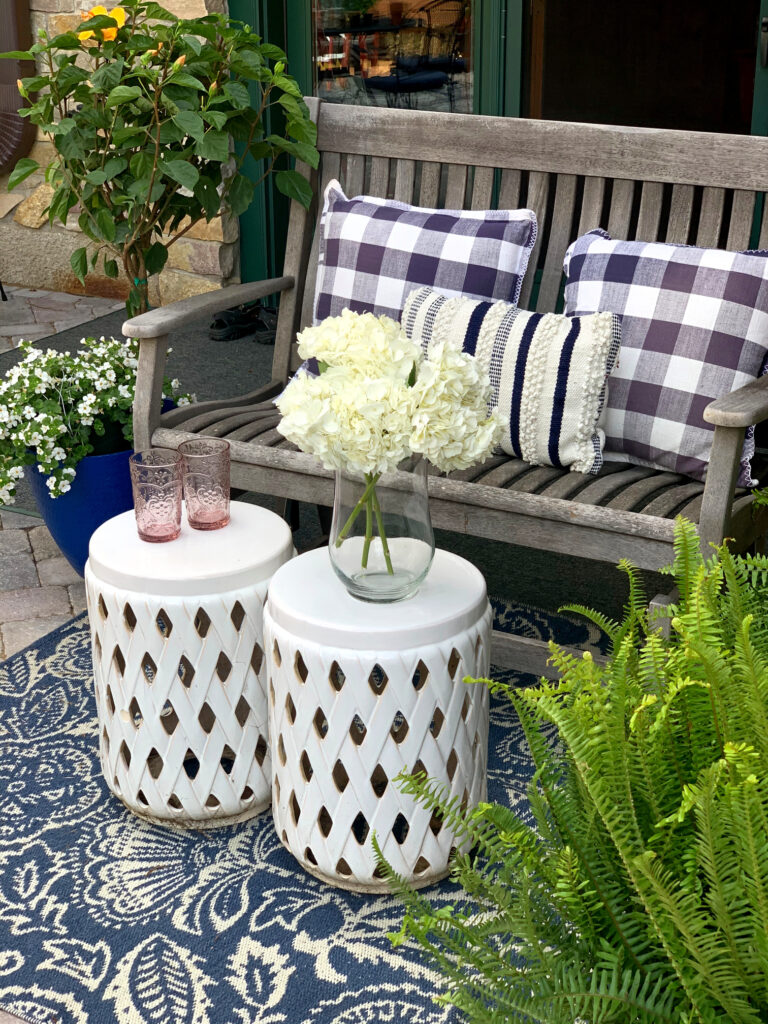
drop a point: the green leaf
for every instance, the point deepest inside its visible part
(17, 55)
(96, 177)
(123, 94)
(213, 146)
(215, 117)
(35, 83)
(185, 81)
(247, 64)
(157, 13)
(141, 165)
(155, 258)
(108, 76)
(79, 263)
(293, 185)
(62, 202)
(238, 94)
(208, 196)
(97, 23)
(295, 109)
(272, 52)
(190, 123)
(69, 77)
(22, 170)
(72, 145)
(106, 223)
(193, 43)
(121, 135)
(287, 84)
(239, 196)
(181, 171)
(114, 166)
(110, 268)
(65, 41)
(301, 150)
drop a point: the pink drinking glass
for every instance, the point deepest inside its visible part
(156, 481)
(206, 482)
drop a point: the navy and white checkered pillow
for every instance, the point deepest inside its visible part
(694, 328)
(547, 371)
(373, 252)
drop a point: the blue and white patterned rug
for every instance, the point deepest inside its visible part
(104, 918)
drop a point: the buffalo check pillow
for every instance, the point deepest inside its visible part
(547, 371)
(373, 252)
(694, 328)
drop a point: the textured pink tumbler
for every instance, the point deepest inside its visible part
(156, 480)
(206, 482)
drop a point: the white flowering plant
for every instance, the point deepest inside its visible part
(378, 400)
(57, 407)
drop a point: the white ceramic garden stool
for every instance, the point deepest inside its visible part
(361, 691)
(179, 668)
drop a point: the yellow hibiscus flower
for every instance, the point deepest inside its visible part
(107, 33)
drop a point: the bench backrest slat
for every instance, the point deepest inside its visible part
(649, 217)
(405, 179)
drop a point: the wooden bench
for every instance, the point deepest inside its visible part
(638, 183)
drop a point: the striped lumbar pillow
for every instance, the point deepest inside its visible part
(547, 371)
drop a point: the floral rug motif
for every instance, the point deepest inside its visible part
(105, 918)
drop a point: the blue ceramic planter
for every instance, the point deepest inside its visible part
(101, 489)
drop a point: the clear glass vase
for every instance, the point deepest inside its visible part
(381, 544)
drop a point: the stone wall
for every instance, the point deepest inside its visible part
(34, 255)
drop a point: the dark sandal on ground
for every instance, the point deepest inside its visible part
(240, 321)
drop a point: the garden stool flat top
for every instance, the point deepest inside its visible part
(179, 668)
(308, 600)
(358, 693)
(250, 548)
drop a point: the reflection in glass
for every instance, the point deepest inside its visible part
(392, 53)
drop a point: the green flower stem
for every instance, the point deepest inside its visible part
(368, 530)
(382, 534)
(370, 481)
(370, 501)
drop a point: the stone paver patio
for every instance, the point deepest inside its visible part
(33, 313)
(39, 590)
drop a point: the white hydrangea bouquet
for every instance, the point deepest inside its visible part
(58, 407)
(378, 400)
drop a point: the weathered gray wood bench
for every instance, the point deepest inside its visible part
(638, 183)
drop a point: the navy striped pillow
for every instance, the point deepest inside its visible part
(547, 371)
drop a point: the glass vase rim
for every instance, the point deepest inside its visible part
(166, 458)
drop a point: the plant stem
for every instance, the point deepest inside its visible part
(370, 481)
(382, 534)
(368, 530)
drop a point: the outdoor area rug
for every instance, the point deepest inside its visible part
(104, 918)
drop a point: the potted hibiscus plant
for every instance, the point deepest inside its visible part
(151, 119)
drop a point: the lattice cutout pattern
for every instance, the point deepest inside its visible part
(181, 690)
(337, 747)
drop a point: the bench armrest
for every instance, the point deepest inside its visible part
(164, 319)
(741, 408)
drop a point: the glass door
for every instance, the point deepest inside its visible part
(391, 53)
(688, 64)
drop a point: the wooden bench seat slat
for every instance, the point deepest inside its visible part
(456, 186)
(429, 187)
(680, 212)
(535, 480)
(635, 497)
(252, 430)
(670, 501)
(405, 176)
(559, 238)
(740, 223)
(710, 217)
(621, 208)
(482, 188)
(501, 470)
(568, 485)
(201, 423)
(649, 217)
(608, 484)
(481, 469)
